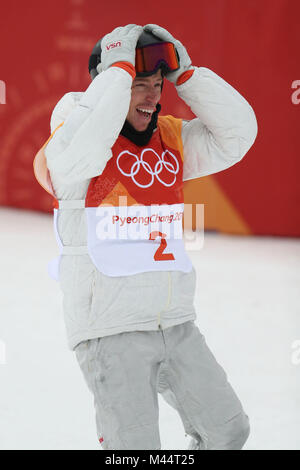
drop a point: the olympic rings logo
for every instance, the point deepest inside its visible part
(160, 164)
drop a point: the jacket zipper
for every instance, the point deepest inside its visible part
(168, 301)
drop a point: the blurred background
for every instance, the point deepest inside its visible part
(248, 272)
(252, 44)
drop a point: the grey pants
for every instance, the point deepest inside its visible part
(125, 373)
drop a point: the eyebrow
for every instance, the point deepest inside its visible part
(141, 79)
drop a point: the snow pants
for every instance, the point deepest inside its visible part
(125, 373)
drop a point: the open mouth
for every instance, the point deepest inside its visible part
(145, 113)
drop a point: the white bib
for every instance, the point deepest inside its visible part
(128, 240)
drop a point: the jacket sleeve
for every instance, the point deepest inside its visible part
(81, 147)
(223, 131)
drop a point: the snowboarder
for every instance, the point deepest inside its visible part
(117, 168)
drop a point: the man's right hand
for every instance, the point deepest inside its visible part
(119, 46)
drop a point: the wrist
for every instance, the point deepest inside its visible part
(127, 66)
(184, 77)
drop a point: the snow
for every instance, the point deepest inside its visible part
(247, 301)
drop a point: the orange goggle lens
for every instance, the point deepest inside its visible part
(149, 58)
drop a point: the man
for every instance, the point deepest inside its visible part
(128, 288)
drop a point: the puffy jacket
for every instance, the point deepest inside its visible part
(224, 129)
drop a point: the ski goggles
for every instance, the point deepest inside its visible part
(149, 58)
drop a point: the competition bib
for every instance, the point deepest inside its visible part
(128, 240)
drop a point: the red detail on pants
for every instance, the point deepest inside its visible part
(101, 440)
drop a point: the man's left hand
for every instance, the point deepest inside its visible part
(184, 58)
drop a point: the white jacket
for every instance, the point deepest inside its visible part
(96, 305)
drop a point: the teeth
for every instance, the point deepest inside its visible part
(148, 111)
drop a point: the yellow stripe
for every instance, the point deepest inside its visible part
(170, 131)
(219, 211)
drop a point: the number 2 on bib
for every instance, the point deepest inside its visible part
(159, 255)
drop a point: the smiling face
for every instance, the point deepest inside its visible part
(145, 94)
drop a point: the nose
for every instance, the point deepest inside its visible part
(152, 93)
